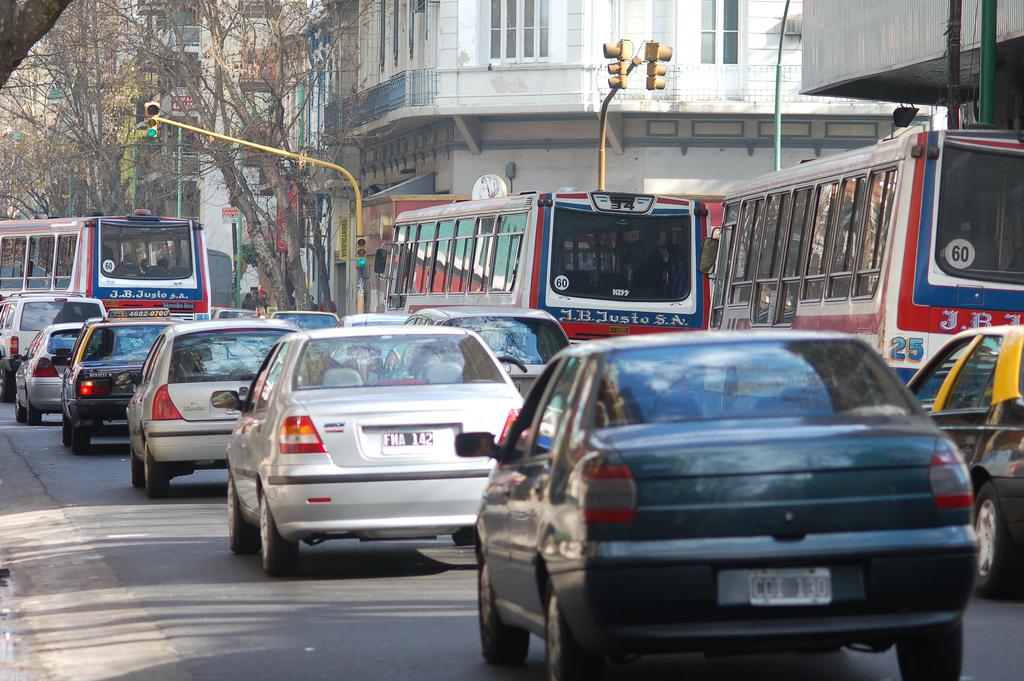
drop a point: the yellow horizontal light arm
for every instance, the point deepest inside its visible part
(280, 152)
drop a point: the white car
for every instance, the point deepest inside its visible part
(175, 425)
(350, 432)
(22, 315)
(37, 381)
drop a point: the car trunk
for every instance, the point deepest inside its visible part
(779, 477)
(413, 425)
(195, 400)
(96, 371)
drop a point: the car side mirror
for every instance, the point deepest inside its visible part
(226, 399)
(380, 261)
(708, 255)
(473, 445)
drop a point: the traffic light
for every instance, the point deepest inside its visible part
(152, 109)
(621, 52)
(361, 252)
(654, 53)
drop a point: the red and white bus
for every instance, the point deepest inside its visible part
(602, 263)
(131, 261)
(905, 242)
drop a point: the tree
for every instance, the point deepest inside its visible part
(22, 24)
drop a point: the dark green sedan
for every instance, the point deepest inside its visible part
(725, 494)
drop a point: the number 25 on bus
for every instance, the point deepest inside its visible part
(602, 263)
(905, 242)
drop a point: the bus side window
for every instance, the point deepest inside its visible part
(506, 251)
(739, 290)
(462, 256)
(40, 262)
(791, 265)
(482, 257)
(66, 244)
(881, 188)
(848, 228)
(12, 263)
(721, 274)
(814, 282)
(445, 232)
(769, 263)
(424, 263)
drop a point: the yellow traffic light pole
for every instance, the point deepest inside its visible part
(621, 52)
(301, 158)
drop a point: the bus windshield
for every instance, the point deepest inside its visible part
(620, 257)
(133, 252)
(981, 215)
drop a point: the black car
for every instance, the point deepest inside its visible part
(725, 494)
(101, 372)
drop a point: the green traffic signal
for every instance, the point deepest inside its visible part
(151, 132)
(361, 262)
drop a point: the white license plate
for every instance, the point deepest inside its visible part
(419, 438)
(791, 586)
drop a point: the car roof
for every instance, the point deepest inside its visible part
(461, 311)
(357, 331)
(165, 321)
(303, 312)
(693, 338)
(1001, 330)
(229, 324)
(65, 326)
(49, 297)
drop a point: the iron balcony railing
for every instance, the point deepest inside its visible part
(405, 89)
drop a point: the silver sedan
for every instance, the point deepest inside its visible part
(175, 424)
(37, 383)
(349, 432)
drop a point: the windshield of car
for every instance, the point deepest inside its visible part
(531, 341)
(132, 252)
(126, 343)
(620, 257)
(61, 339)
(981, 215)
(394, 360)
(224, 355)
(308, 321)
(827, 378)
(36, 315)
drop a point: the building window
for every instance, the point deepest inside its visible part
(720, 32)
(519, 30)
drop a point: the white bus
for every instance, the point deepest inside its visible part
(602, 263)
(905, 242)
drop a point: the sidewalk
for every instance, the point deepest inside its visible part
(69, 617)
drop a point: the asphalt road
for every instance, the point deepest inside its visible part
(106, 584)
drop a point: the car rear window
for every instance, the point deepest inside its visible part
(829, 378)
(78, 311)
(308, 321)
(531, 341)
(127, 343)
(394, 360)
(61, 339)
(39, 314)
(212, 356)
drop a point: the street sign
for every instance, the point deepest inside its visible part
(282, 247)
(182, 103)
(229, 214)
(343, 239)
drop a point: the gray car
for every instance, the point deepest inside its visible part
(37, 382)
(174, 424)
(349, 432)
(523, 339)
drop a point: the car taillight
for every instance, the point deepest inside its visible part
(163, 406)
(93, 387)
(605, 491)
(44, 369)
(513, 414)
(15, 345)
(949, 480)
(298, 436)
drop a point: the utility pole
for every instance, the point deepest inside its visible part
(953, 65)
(778, 90)
(987, 96)
(177, 211)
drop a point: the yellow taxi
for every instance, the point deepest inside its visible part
(973, 388)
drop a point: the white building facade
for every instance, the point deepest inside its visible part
(460, 88)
